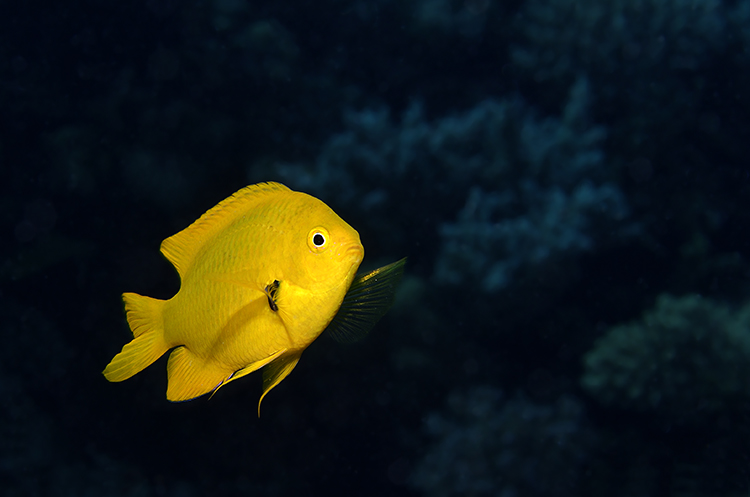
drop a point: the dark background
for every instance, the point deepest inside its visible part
(569, 180)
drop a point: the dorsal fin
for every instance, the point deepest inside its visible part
(180, 249)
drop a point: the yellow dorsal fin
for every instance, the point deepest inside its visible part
(277, 371)
(180, 249)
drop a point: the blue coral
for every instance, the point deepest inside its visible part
(486, 444)
(649, 62)
(610, 40)
(488, 247)
(502, 188)
(688, 358)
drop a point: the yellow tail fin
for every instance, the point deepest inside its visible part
(145, 319)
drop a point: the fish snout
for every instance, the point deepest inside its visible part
(356, 252)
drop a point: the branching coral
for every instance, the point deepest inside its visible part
(488, 445)
(686, 358)
(609, 40)
(531, 188)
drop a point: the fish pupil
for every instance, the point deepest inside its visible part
(271, 290)
(318, 239)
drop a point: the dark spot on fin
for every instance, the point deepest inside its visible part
(368, 299)
(271, 290)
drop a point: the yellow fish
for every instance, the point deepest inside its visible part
(262, 275)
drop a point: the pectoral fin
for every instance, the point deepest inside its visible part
(368, 299)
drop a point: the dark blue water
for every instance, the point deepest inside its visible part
(568, 178)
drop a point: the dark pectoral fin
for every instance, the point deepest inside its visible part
(368, 299)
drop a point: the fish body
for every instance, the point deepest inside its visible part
(262, 275)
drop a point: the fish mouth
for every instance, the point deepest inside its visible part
(356, 252)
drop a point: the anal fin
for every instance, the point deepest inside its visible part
(189, 376)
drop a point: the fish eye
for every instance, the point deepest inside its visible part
(317, 239)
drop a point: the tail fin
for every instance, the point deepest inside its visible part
(145, 319)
